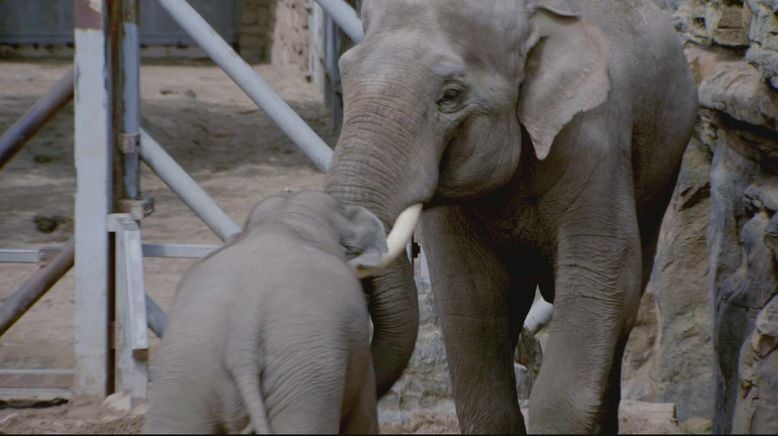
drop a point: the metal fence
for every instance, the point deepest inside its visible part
(109, 203)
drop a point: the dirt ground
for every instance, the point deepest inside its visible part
(228, 145)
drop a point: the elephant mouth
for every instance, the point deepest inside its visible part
(396, 241)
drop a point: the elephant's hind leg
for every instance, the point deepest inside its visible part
(174, 409)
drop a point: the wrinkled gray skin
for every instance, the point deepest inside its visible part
(273, 327)
(544, 138)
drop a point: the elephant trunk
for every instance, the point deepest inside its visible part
(368, 170)
(386, 160)
(392, 294)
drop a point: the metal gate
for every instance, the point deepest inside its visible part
(50, 22)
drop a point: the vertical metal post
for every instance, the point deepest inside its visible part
(333, 95)
(129, 56)
(94, 197)
(345, 16)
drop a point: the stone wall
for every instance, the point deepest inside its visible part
(723, 218)
(257, 19)
(290, 35)
(275, 31)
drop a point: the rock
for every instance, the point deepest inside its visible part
(529, 356)
(118, 402)
(766, 61)
(756, 409)
(639, 365)
(636, 417)
(736, 89)
(764, 24)
(425, 383)
(744, 275)
(45, 224)
(679, 284)
(696, 425)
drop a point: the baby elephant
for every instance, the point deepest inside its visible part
(270, 332)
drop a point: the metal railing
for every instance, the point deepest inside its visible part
(105, 205)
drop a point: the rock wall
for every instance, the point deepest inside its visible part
(730, 182)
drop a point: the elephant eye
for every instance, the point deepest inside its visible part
(451, 96)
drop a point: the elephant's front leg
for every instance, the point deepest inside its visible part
(598, 288)
(471, 286)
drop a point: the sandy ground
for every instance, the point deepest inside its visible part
(216, 133)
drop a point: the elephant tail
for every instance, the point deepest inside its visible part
(250, 389)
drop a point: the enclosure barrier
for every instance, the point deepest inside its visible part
(35, 287)
(250, 82)
(345, 16)
(39, 113)
(185, 187)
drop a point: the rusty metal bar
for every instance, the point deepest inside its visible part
(36, 116)
(35, 287)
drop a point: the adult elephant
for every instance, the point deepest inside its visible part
(544, 139)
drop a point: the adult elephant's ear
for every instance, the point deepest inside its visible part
(565, 73)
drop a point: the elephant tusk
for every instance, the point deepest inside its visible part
(396, 241)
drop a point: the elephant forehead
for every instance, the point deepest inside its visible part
(476, 31)
(459, 13)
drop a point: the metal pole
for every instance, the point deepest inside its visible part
(250, 82)
(94, 199)
(130, 77)
(182, 184)
(36, 116)
(156, 317)
(346, 17)
(35, 287)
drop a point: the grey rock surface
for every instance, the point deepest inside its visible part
(680, 285)
(756, 408)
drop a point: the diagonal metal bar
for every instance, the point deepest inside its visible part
(182, 184)
(345, 16)
(36, 116)
(250, 82)
(157, 317)
(35, 287)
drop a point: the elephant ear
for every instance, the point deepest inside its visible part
(363, 236)
(566, 71)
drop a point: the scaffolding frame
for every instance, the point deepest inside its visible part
(112, 309)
